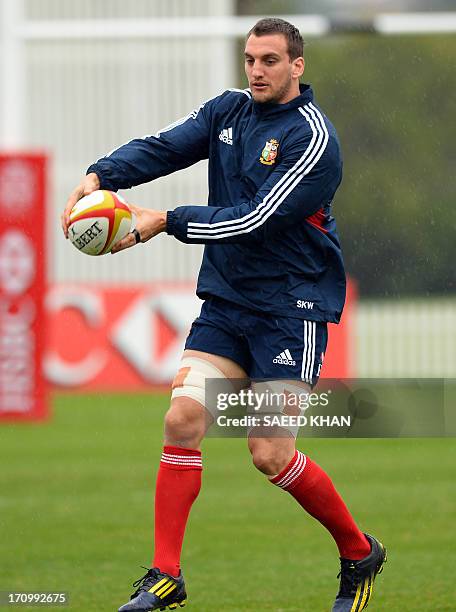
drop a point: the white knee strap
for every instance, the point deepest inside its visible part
(190, 380)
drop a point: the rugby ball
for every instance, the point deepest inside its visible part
(98, 221)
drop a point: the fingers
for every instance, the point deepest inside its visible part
(76, 195)
(89, 183)
(125, 243)
(137, 235)
(152, 222)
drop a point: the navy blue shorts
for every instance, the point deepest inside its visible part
(265, 346)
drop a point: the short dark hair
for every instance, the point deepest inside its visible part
(275, 25)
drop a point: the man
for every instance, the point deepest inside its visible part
(272, 277)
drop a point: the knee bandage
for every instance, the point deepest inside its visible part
(190, 380)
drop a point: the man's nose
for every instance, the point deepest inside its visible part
(257, 70)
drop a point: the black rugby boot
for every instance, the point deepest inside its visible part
(357, 578)
(156, 591)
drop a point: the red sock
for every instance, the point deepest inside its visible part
(313, 489)
(178, 485)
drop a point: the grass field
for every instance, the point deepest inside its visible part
(76, 515)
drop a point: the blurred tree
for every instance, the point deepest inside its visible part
(392, 101)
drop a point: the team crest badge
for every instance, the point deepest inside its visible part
(269, 153)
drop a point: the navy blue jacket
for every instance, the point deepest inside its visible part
(271, 242)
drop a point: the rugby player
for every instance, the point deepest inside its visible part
(272, 277)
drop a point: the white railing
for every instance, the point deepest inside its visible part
(406, 338)
(78, 85)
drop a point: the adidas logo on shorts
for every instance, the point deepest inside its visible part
(285, 358)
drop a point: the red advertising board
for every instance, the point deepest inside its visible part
(131, 338)
(125, 338)
(340, 356)
(22, 286)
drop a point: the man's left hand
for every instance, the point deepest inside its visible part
(149, 223)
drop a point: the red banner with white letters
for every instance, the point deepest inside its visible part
(124, 338)
(22, 286)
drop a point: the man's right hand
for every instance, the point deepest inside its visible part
(89, 183)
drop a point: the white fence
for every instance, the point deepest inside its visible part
(407, 338)
(78, 95)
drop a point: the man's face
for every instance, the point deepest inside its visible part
(272, 76)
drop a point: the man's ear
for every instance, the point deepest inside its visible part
(298, 67)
